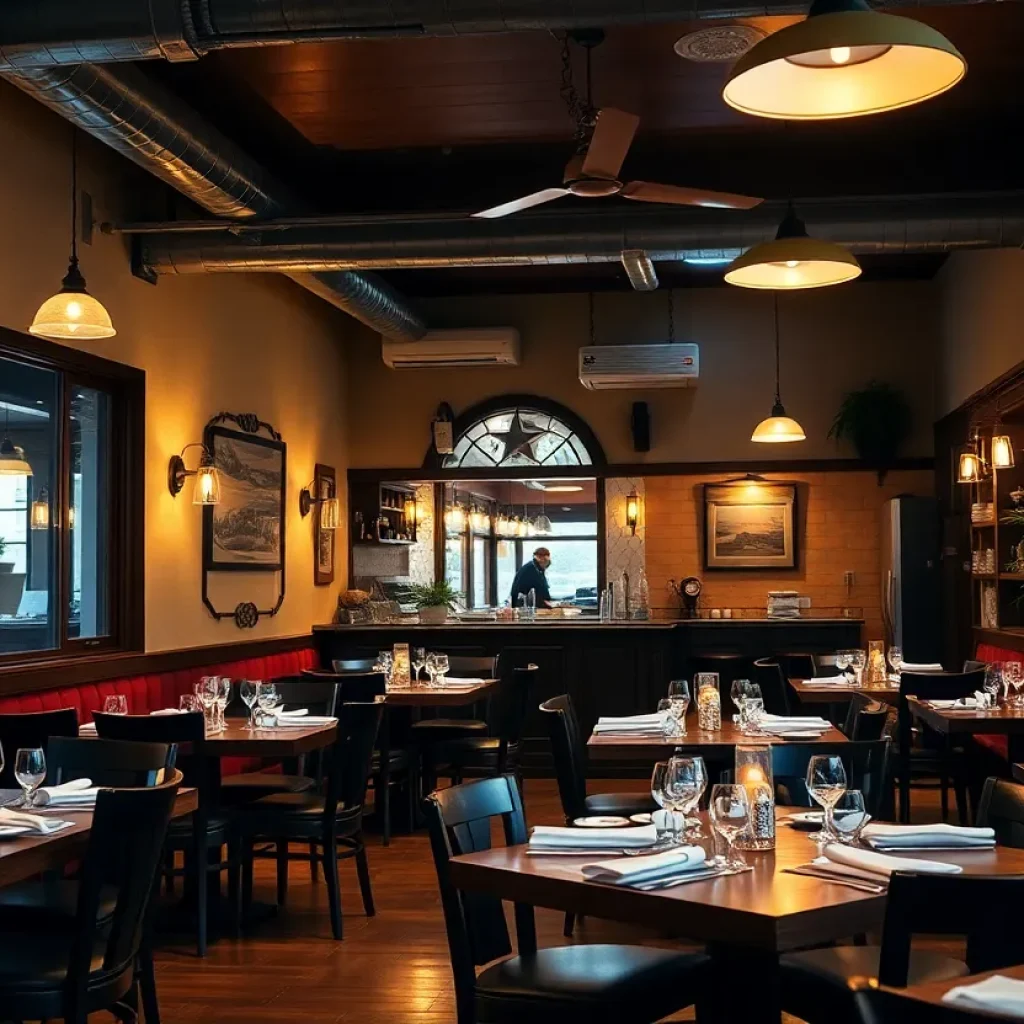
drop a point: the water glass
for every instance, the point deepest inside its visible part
(843, 660)
(729, 811)
(383, 664)
(858, 659)
(751, 715)
(418, 661)
(189, 702)
(993, 684)
(669, 726)
(442, 666)
(267, 698)
(116, 704)
(223, 700)
(208, 693)
(30, 771)
(1013, 679)
(896, 660)
(849, 816)
(826, 783)
(668, 823)
(685, 782)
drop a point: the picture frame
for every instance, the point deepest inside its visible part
(245, 531)
(325, 485)
(750, 524)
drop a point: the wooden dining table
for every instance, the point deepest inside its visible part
(808, 692)
(744, 920)
(1002, 721)
(926, 1000)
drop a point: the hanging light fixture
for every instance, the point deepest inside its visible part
(72, 312)
(12, 458)
(970, 471)
(1002, 449)
(778, 428)
(844, 60)
(206, 489)
(542, 524)
(793, 260)
(39, 514)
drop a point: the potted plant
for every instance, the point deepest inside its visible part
(433, 601)
(876, 421)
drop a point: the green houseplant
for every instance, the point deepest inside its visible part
(433, 600)
(876, 420)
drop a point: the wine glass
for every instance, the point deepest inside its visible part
(679, 697)
(1013, 675)
(223, 699)
(115, 704)
(896, 661)
(993, 684)
(189, 702)
(267, 698)
(849, 816)
(729, 809)
(668, 825)
(686, 780)
(858, 659)
(431, 666)
(752, 715)
(843, 660)
(739, 691)
(669, 725)
(29, 770)
(419, 659)
(249, 691)
(442, 666)
(826, 783)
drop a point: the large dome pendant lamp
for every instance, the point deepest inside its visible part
(778, 428)
(72, 313)
(793, 260)
(844, 60)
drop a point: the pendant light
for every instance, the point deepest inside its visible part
(778, 428)
(1002, 446)
(72, 313)
(12, 458)
(542, 524)
(844, 60)
(793, 260)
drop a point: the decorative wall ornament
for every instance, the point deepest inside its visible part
(325, 487)
(750, 524)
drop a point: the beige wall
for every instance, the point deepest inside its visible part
(982, 313)
(833, 340)
(208, 344)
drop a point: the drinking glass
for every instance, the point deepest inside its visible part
(223, 700)
(669, 725)
(679, 698)
(843, 660)
(383, 664)
(849, 816)
(208, 696)
(189, 702)
(826, 783)
(993, 684)
(267, 698)
(2, 762)
(751, 716)
(669, 825)
(116, 704)
(729, 809)
(858, 659)
(442, 666)
(249, 691)
(1013, 676)
(431, 664)
(685, 782)
(419, 659)
(739, 691)
(896, 660)
(29, 770)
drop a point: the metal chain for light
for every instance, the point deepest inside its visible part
(74, 195)
(671, 316)
(580, 110)
(775, 301)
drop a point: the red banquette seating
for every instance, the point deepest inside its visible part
(989, 652)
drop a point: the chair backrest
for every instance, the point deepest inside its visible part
(874, 1005)
(510, 706)
(125, 848)
(120, 764)
(341, 665)
(320, 696)
(459, 819)
(932, 686)
(774, 686)
(985, 909)
(32, 729)
(351, 755)
(464, 666)
(970, 665)
(865, 718)
(866, 763)
(796, 665)
(1002, 808)
(569, 754)
(361, 688)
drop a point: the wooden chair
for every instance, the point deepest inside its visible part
(32, 729)
(322, 821)
(866, 719)
(1002, 808)
(774, 686)
(875, 1005)
(816, 984)
(866, 763)
(580, 984)
(69, 973)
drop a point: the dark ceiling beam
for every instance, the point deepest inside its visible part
(49, 33)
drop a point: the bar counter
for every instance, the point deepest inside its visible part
(608, 668)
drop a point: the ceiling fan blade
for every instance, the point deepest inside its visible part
(523, 203)
(613, 135)
(652, 192)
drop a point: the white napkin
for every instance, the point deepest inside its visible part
(463, 681)
(287, 721)
(87, 728)
(44, 826)
(783, 723)
(848, 860)
(76, 793)
(631, 870)
(630, 724)
(166, 711)
(554, 837)
(982, 700)
(894, 837)
(949, 705)
(840, 680)
(997, 994)
(929, 666)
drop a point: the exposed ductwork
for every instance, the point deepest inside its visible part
(875, 225)
(145, 122)
(639, 269)
(48, 33)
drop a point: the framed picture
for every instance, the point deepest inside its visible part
(245, 531)
(749, 524)
(324, 486)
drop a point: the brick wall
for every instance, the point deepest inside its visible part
(838, 517)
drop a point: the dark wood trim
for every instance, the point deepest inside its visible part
(30, 349)
(28, 677)
(1010, 640)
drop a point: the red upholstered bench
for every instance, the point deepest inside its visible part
(150, 693)
(988, 652)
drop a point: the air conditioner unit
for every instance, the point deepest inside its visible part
(641, 367)
(488, 346)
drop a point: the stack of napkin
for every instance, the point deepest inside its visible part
(557, 837)
(926, 837)
(630, 725)
(637, 870)
(463, 681)
(19, 820)
(300, 718)
(779, 725)
(840, 680)
(997, 994)
(76, 793)
(87, 729)
(921, 666)
(874, 867)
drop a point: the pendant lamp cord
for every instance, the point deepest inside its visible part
(775, 302)
(590, 305)
(671, 316)
(74, 196)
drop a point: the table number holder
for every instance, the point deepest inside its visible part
(753, 771)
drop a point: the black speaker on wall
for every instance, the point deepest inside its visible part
(640, 423)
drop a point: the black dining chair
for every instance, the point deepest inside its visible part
(561, 985)
(67, 974)
(324, 821)
(1002, 808)
(796, 664)
(866, 719)
(343, 665)
(923, 754)
(774, 686)
(875, 1005)
(816, 984)
(31, 729)
(446, 727)
(200, 835)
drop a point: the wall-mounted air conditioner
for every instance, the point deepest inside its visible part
(639, 367)
(487, 346)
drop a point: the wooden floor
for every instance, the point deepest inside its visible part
(390, 969)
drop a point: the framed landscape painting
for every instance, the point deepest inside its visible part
(245, 531)
(749, 524)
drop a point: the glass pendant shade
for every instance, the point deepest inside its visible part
(1002, 452)
(844, 60)
(970, 468)
(778, 428)
(206, 490)
(39, 516)
(12, 460)
(542, 525)
(72, 313)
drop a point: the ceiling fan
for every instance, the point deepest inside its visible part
(603, 139)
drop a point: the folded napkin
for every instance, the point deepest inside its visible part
(283, 720)
(16, 819)
(784, 723)
(87, 728)
(463, 681)
(555, 837)
(840, 680)
(997, 994)
(630, 724)
(77, 792)
(632, 870)
(951, 705)
(848, 860)
(167, 711)
(927, 666)
(895, 837)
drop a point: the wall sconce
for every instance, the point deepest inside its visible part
(970, 468)
(206, 490)
(330, 513)
(39, 517)
(1002, 451)
(632, 512)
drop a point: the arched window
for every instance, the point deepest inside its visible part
(519, 436)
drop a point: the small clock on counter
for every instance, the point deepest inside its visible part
(689, 591)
